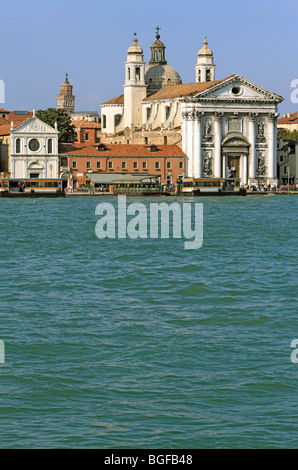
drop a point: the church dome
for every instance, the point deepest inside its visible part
(135, 48)
(205, 51)
(158, 74)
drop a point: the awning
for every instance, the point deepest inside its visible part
(110, 178)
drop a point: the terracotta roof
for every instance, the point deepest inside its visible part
(5, 129)
(185, 89)
(3, 110)
(4, 121)
(84, 124)
(119, 150)
(118, 100)
(292, 119)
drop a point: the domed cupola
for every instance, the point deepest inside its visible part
(205, 67)
(158, 74)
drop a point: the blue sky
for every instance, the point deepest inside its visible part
(41, 41)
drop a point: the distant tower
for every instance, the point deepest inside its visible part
(135, 87)
(205, 67)
(66, 100)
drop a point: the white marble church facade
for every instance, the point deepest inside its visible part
(228, 127)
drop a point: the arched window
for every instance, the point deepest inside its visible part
(128, 73)
(64, 161)
(104, 121)
(50, 146)
(148, 110)
(117, 119)
(138, 73)
(167, 113)
(199, 75)
(18, 146)
(208, 75)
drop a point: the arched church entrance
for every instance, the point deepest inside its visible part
(235, 152)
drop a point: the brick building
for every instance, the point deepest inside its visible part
(88, 132)
(80, 159)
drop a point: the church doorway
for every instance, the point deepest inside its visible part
(234, 166)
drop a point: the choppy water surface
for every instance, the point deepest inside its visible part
(142, 344)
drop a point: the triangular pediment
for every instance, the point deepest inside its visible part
(34, 126)
(238, 89)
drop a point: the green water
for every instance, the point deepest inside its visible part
(141, 344)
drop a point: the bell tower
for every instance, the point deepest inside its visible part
(205, 67)
(66, 100)
(135, 87)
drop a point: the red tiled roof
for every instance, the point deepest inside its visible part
(185, 89)
(5, 129)
(3, 110)
(118, 100)
(121, 150)
(4, 121)
(19, 118)
(292, 119)
(84, 124)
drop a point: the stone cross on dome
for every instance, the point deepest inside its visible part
(157, 32)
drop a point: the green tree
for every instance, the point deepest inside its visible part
(63, 120)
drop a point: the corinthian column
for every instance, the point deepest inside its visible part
(217, 145)
(197, 146)
(252, 141)
(271, 150)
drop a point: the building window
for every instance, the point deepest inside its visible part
(167, 113)
(74, 164)
(146, 140)
(87, 136)
(138, 73)
(180, 165)
(110, 165)
(98, 165)
(34, 145)
(285, 169)
(104, 121)
(88, 165)
(281, 158)
(208, 75)
(157, 165)
(169, 165)
(18, 146)
(165, 140)
(117, 119)
(135, 165)
(50, 146)
(148, 111)
(144, 165)
(123, 165)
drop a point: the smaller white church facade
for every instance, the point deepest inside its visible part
(34, 150)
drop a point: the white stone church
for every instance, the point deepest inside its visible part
(225, 127)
